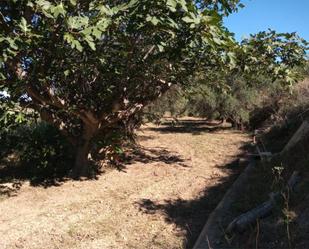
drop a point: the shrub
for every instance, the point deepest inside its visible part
(40, 151)
(44, 152)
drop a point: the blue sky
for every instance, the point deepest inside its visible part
(280, 15)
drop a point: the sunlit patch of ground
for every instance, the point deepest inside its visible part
(161, 200)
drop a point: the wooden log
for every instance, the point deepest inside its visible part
(240, 223)
(302, 131)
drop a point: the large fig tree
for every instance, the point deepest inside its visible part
(84, 66)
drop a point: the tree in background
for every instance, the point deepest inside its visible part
(265, 65)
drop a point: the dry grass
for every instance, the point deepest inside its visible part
(161, 200)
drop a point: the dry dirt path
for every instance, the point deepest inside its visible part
(161, 200)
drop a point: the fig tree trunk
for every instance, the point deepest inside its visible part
(82, 164)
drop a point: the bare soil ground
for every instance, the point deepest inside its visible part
(160, 200)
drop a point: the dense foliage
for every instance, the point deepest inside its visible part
(36, 148)
(262, 74)
(88, 67)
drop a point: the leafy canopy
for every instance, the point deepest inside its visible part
(92, 63)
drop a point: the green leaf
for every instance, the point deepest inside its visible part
(105, 10)
(12, 52)
(217, 41)
(88, 37)
(73, 42)
(172, 4)
(2, 77)
(12, 43)
(87, 31)
(91, 44)
(132, 3)
(77, 22)
(44, 4)
(78, 46)
(73, 2)
(30, 4)
(183, 5)
(23, 25)
(187, 19)
(66, 72)
(154, 20)
(19, 118)
(232, 58)
(103, 24)
(58, 10)
(48, 14)
(97, 33)
(68, 37)
(161, 48)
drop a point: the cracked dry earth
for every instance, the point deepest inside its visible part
(160, 200)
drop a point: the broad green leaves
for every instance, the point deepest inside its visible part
(58, 10)
(44, 4)
(97, 62)
(154, 20)
(77, 22)
(90, 42)
(274, 54)
(172, 4)
(73, 42)
(48, 9)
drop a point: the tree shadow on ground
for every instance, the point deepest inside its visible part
(196, 127)
(13, 176)
(157, 154)
(145, 138)
(190, 216)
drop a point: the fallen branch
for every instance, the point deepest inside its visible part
(240, 223)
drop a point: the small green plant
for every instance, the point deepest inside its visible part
(283, 200)
(278, 181)
(288, 215)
